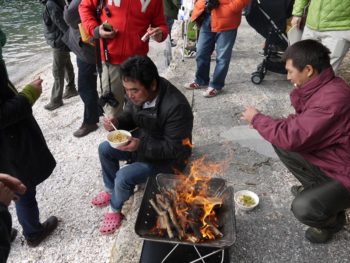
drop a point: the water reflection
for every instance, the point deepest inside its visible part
(26, 49)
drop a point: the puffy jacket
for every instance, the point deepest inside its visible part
(131, 19)
(54, 24)
(225, 17)
(72, 37)
(325, 15)
(320, 128)
(162, 128)
(24, 153)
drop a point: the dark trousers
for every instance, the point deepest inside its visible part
(169, 23)
(28, 213)
(322, 199)
(87, 87)
(62, 68)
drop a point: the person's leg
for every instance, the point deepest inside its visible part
(169, 23)
(306, 173)
(322, 208)
(205, 47)
(309, 33)
(109, 158)
(58, 71)
(125, 181)
(116, 87)
(28, 213)
(338, 43)
(224, 44)
(69, 73)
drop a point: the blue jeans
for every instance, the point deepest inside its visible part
(87, 87)
(169, 23)
(121, 182)
(206, 43)
(28, 214)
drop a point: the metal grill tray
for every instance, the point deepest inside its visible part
(146, 218)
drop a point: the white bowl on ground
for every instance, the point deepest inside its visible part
(238, 197)
(116, 144)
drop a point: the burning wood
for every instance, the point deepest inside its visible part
(187, 209)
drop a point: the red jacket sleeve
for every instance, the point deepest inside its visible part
(304, 132)
(159, 19)
(87, 12)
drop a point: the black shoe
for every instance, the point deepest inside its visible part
(53, 105)
(48, 227)
(322, 235)
(13, 234)
(172, 43)
(296, 190)
(70, 93)
(85, 129)
(318, 235)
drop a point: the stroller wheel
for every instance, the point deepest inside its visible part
(262, 68)
(257, 78)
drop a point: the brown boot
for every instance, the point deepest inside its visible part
(85, 129)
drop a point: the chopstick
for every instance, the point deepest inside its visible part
(104, 114)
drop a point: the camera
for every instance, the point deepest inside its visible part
(211, 4)
(108, 98)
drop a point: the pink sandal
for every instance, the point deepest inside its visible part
(102, 199)
(111, 223)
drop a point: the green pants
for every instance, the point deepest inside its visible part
(62, 69)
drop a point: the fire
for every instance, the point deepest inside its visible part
(187, 142)
(192, 204)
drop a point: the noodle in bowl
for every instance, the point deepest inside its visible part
(118, 138)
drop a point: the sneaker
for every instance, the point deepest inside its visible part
(173, 43)
(194, 85)
(211, 92)
(70, 93)
(48, 227)
(85, 129)
(53, 105)
(296, 190)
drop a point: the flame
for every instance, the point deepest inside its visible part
(187, 142)
(193, 192)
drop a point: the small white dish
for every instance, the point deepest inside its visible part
(114, 143)
(243, 199)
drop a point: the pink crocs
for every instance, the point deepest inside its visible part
(111, 222)
(102, 199)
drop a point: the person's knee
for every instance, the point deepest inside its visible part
(103, 149)
(301, 209)
(121, 180)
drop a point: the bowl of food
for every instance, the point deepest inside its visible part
(118, 138)
(246, 200)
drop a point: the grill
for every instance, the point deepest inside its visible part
(146, 218)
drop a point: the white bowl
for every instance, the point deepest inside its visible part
(251, 194)
(117, 144)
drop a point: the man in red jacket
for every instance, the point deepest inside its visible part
(130, 25)
(314, 142)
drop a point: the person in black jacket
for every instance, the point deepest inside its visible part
(24, 153)
(54, 29)
(9, 186)
(87, 75)
(164, 120)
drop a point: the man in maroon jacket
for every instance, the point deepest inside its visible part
(313, 143)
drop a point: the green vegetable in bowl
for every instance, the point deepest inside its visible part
(246, 200)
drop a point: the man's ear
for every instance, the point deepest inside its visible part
(310, 71)
(154, 85)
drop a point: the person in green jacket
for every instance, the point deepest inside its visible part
(328, 21)
(171, 10)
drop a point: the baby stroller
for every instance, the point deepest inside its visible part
(269, 19)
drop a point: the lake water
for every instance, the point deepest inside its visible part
(26, 50)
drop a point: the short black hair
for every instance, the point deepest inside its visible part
(139, 68)
(308, 52)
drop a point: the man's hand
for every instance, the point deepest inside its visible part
(296, 20)
(107, 34)
(6, 195)
(13, 183)
(132, 146)
(249, 114)
(36, 84)
(156, 33)
(107, 123)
